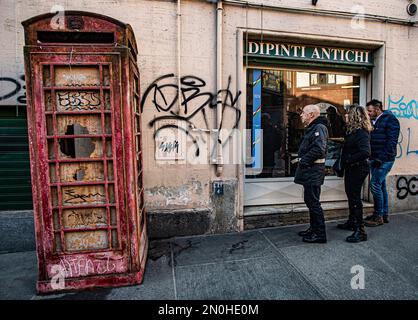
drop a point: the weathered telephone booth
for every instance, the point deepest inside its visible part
(85, 148)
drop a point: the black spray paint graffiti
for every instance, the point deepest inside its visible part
(17, 89)
(406, 187)
(195, 101)
(81, 100)
(169, 146)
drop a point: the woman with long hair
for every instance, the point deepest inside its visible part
(354, 158)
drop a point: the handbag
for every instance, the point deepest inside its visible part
(338, 166)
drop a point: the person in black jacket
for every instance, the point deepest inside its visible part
(311, 171)
(383, 141)
(354, 158)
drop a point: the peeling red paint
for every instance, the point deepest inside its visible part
(107, 246)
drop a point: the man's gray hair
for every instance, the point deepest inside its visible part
(313, 108)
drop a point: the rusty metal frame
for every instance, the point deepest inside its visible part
(127, 259)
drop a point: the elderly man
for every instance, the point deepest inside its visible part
(311, 171)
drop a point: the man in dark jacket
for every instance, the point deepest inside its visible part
(383, 142)
(311, 171)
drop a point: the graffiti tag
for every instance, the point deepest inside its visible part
(10, 87)
(403, 109)
(76, 267)
(163, 94)
(172, 146)
(81, 100)
(406, 187)
(74, 197)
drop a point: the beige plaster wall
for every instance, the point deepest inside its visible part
(182, 185)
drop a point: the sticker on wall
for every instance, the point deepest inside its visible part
(169, 141)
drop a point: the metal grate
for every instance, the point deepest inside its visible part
(81, 157)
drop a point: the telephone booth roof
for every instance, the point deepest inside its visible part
(84, 24)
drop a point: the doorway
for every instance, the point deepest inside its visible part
(275, 98)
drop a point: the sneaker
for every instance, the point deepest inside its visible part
(371, 217)
(376, 221)
(386, 218)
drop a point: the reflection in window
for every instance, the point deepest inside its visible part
(302, 79)
(331, 78)
(314, 79)
(322, 78)
(283, 95)
(343, 79)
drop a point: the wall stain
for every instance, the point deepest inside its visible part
(158, 249)
(181, 195)
(179, 248)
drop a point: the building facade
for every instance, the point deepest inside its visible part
(215, 75)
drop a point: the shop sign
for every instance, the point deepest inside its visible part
(309, 53)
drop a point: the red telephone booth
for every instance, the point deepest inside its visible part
(85, 148)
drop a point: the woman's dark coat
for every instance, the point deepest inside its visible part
(356, 149)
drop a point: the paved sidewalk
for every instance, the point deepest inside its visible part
(259, 264)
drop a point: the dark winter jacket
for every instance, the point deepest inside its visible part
(313, 147)
(384, 137)
(356, 149)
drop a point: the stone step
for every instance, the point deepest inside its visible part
(280, 215)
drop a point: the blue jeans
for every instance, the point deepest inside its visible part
(378, 188)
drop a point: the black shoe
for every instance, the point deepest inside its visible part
(315, 238)
(386, 218)
(307, 232)
(346, 225)
(358, 235)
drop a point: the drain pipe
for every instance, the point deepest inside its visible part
(219, 20)
(179, 55)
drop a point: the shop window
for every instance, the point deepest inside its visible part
(276, 111)
(288, 78)
(344, 79)
(331, 78)
(313, 79)
(302, 79)
(322, 78)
